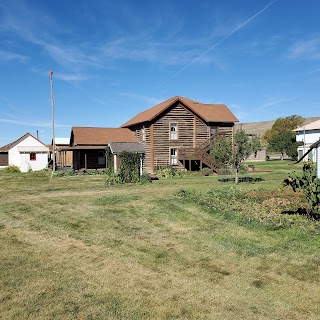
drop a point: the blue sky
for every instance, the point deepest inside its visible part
(114, 59)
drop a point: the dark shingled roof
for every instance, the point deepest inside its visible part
(118, 147)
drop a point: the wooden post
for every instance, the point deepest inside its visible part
(115, 163)
(318, 160)
(85, 161)
(53, 138)
(194, 132)
(152, 148)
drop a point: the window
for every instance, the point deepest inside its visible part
(143, 133)
(101, 158)
(33, 156)
(173, 131)
(173, 156)
(213, 130)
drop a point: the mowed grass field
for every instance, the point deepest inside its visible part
(81, 249)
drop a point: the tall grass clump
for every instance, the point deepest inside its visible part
(12, 169)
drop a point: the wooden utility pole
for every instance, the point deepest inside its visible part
(53, 142)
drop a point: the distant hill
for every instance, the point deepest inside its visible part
(259, 128)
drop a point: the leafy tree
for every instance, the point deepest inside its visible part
(221, 151)
(281, 142)
(284, 124)
(243, 147)
(225, 152)
(280, 137)
(292, 150)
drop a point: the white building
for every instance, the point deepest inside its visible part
(308, 134)
(28, 153)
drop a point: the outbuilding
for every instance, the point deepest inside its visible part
(27, 152)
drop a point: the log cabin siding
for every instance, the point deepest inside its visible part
(146, 144)
(87, 159)
(192, 133)
(202, 132)
(163, 144)
(225, 130)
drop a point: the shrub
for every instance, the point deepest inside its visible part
(262, 207)
(168, 172)
(129, 169)
(206, 171)
(144, 178)
(113, 178)
(12, 169)
(308, 182)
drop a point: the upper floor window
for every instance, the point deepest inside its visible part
(213, 130)
(33, 156)
(173, 131)
(143, 133)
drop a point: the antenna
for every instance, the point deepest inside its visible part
(53, 142)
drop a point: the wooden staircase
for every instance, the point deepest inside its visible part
(201, 153)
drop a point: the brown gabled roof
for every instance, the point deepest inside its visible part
(101, 136)
(10, 145)
(207, 112)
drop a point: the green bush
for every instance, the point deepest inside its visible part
(129, 169)
(206, 171)
(12, 169)
(168, 172)
(308, 182)
(263, 207)
(144, 178)
(113, 178)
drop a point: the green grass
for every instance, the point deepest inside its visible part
(79, 249)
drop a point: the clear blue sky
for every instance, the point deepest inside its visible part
(115, 58)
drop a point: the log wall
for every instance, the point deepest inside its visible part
(192, 132)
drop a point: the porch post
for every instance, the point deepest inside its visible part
(141, 166)
(318, 160)
(152, 148)
(115, 162)
(194, 132)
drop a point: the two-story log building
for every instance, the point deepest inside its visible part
(179, 132)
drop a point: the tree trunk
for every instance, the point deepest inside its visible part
(237, 176)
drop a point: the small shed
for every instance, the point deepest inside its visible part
(27, 152)
(118, 147)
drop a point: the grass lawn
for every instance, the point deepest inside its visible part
(80, 249)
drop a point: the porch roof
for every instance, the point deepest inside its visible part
(118, 147)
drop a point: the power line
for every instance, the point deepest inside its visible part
(220, 41)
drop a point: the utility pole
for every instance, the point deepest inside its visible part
(53, 142)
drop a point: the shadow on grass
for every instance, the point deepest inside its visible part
(241, 179)
(303, 212)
